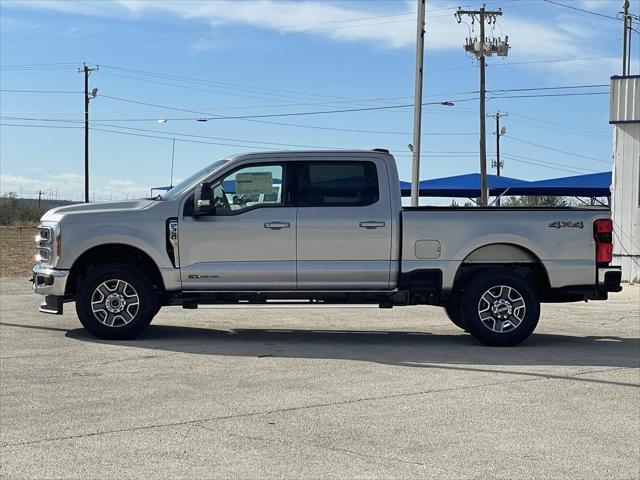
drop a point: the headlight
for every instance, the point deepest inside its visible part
(48, 243)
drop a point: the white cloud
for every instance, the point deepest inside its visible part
(69, 186)
(63, 185)
(539, 38)
(120, 184)
(119, 188)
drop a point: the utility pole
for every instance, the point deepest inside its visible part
(627, 19)
(87, 71)
(625, 35)
(499, 132)
(481, 48)
(417, 107)
(173, 151)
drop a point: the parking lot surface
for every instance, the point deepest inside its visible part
(319, 393)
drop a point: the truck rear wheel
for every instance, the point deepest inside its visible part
(115, 302)
(500, 308)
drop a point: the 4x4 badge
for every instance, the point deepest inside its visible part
(566, 224)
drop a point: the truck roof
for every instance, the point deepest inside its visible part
(296, 153)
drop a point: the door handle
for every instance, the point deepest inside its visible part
(371, 224)
(277, 225)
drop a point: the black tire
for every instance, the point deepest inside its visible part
(500, 308)
(455, 315)
(132, 318)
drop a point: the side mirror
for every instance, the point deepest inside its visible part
(202, 204)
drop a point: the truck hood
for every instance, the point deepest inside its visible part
(56, 214)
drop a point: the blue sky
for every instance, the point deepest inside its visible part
(250, 58)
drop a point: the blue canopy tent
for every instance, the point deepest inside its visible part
(467, 186)
(590, 185)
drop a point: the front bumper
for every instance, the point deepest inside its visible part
(52, 284)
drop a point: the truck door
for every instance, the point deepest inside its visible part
(344, 225)
(248, 243)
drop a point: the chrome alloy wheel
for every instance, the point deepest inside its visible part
(501, 309)
(115, 303)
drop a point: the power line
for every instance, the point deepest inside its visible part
(565, 87)
(19, 65)
(434, 154)
(179, 134)
(557, 60)
(555, 122)
(209, 116)
(551, 95)
(253, 89)
(558, 150)
(233, 86)
(550, 167)
(554, 128)
(210, 137)
(36, 126)
(38, 91)
(580, 9)
(205, 116)
(276, 123)
(210, 90)
(524, 157)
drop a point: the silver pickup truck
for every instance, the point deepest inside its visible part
(317, 227)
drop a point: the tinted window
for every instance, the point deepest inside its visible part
(337, 184)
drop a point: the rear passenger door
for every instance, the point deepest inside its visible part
(344, 225)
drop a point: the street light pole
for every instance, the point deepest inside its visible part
(417, 107)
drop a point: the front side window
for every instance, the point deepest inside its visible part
(337, 184)
(248, 188)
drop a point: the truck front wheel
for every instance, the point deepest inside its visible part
(115, 302)
(454, 313)
(500, 308)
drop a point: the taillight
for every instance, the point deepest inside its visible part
(603, 235)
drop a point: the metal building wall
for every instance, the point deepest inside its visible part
(625, 116)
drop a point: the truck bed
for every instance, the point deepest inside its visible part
(444, 237)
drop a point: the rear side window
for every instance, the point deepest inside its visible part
(337, 184)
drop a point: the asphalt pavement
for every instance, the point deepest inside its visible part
(319, 393)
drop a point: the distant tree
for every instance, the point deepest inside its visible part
(454, 203)
(20, 211)
(536, 201)
(8, 208)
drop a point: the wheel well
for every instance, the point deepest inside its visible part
(114, 253)
(516, 258)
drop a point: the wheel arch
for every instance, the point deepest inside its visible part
(114, 253)
(503, 255)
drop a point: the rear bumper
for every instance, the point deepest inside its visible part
(609, 279)
(52, 284)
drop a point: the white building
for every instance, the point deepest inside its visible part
(624, 114)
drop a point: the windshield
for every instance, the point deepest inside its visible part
(188, 182)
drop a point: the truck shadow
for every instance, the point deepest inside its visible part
(400, 348)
